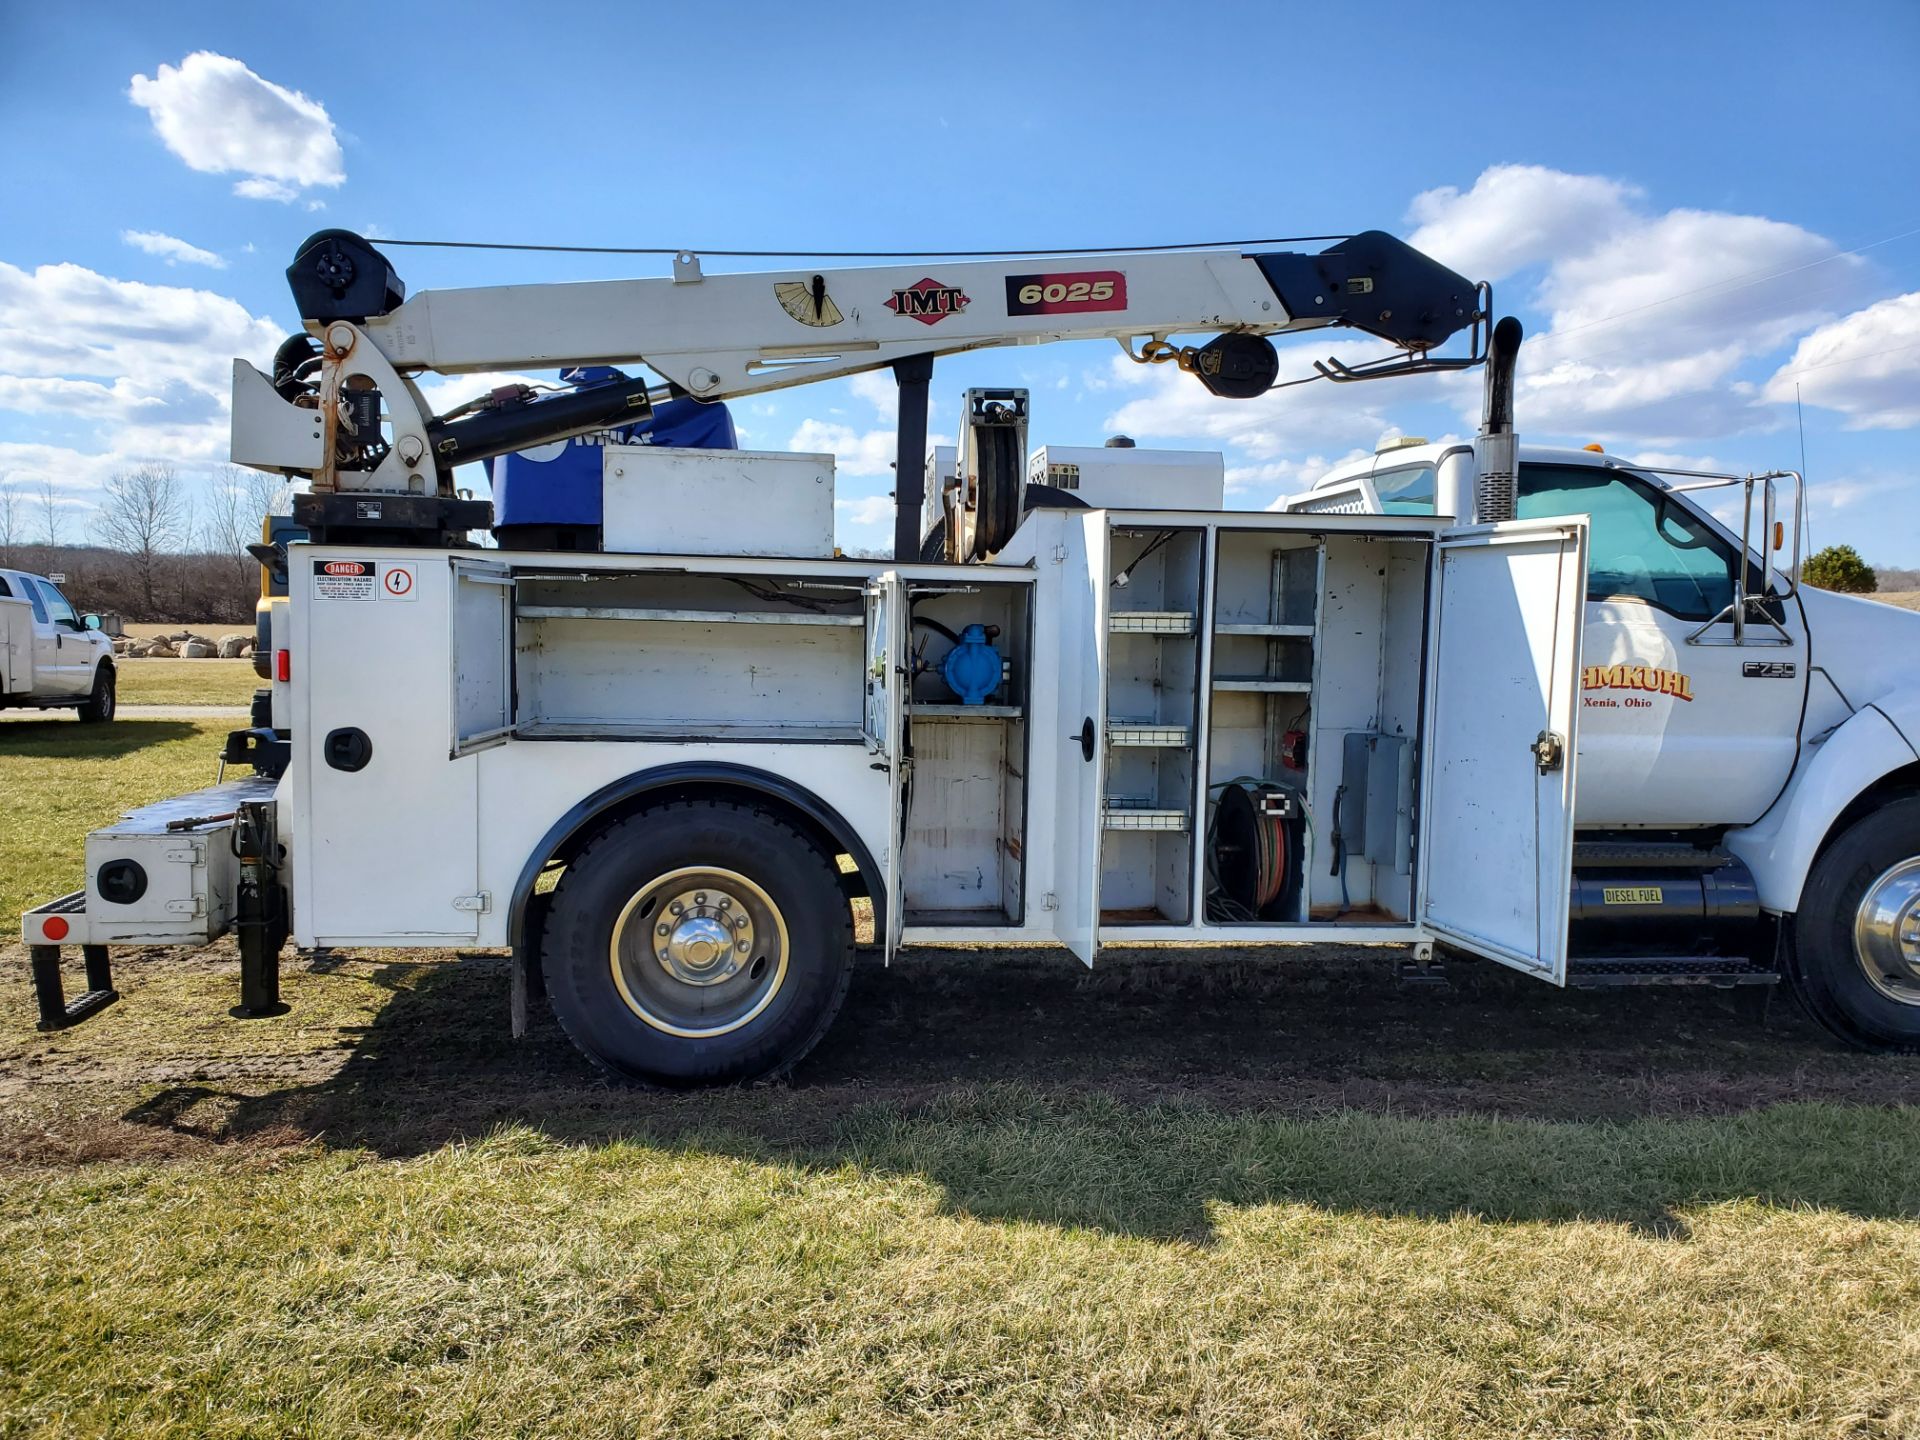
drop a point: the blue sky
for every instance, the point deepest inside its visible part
(1694, 208)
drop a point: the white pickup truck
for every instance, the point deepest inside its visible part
(51, 659)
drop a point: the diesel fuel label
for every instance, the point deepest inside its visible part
(345, 579)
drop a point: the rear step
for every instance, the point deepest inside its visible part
(1724, 971)
(56, 1013)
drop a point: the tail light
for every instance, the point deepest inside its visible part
(283, 665)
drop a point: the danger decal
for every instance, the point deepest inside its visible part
(344, 579)
(1077, 293)
(928, 301)
(1647, 678)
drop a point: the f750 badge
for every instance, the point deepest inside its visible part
(1071, 294)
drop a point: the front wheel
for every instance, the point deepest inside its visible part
(1855, 958)
(698, 944)
(99, 705)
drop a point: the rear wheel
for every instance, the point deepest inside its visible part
(101, 701)
(1855, 960)
(698, 944)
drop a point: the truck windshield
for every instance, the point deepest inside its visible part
(1644, 544)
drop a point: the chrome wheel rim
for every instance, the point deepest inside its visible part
(1886, 933)
(699, 951)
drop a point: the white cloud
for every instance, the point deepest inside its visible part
(171, 249)
(221, 118)
(256, 188)
(855, 452)
(1866, 366)
(1514, 216)
(867, 510)
(1652, 316)
(148, 367)
(880, 390)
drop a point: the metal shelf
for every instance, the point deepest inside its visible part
(1127, 812)
(698, 617)
(920, 710)
(1150, 622)
(1262, 684)
(1272, 632)
(1149, 734)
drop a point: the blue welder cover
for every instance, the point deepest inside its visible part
(559, 483)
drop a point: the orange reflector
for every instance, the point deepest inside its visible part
(283, 665)
(54, 928)
(1779, 535)
(1596, 449)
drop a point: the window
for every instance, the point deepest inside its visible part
(57, 606)
(1406, 491)
(1643, 544)
(33, 598)
(6, 590)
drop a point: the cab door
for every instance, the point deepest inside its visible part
(1497, 763)
(884, 726)
(61, 655)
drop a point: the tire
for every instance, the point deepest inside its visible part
(103, 699)
(1868, 996)
(701, 1015)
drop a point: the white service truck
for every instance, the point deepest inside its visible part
(51, 658)
(1086, 706)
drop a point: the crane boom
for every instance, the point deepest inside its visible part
(343, 408)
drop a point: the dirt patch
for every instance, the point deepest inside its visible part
(403, 1056)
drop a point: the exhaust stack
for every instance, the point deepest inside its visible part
(1496, 448)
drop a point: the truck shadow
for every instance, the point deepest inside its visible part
(66, 739)
(1141, 1097)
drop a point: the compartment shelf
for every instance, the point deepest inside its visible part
(1276, 632)
(1131, 812)
(1150, 622)
(926, 711)
(1262, 684)
(1149, 733)
(698, 617)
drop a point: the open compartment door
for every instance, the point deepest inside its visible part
(1496, 769)
(884, 725)
(1080, 775)
(482, 647)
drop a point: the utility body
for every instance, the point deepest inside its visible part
(50, 657)
(672, 763)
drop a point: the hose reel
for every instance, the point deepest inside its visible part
(1253, 850)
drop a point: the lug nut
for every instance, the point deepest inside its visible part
(700, 897)
(741, 947)
(664, 930)
(726, 902)
(676, 907)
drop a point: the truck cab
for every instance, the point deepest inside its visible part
(50, 657)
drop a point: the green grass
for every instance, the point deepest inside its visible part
(1007, 1198)
(994, 1265)
(187, 682)
(61, 780)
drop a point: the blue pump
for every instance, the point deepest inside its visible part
(972, 667)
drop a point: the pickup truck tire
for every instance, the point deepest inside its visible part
(1855, 957)
(698, 943)
(103, 699)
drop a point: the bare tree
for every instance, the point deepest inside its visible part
(12, 519)
(146, 513)
(266, 494)
(50, 510)
(230, 519)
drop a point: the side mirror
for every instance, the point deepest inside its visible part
(90, 620)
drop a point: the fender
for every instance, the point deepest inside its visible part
(1780, 846)
(666, 777)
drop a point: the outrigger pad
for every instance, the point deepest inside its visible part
(1378, 284)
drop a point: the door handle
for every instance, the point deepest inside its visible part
(1085, 736)
(1549, 751)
